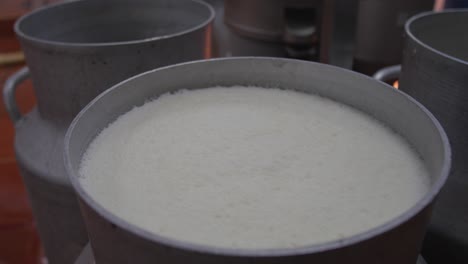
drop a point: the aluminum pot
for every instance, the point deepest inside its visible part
(227, 43)
(74, 51)
(435, 72)
(116, 241)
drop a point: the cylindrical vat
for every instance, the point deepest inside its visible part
(398, 241)
(74, 51)
(435, 72)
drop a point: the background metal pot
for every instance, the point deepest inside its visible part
(116, 241)
(380, 30)
(435, 72)
(299, 29)
(74, 51)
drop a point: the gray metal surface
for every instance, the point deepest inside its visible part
(262, 19)
(91, 46)
(264, 28)
(9, 93)
(421, 260)
(379, 33)
(227, 43)
(388, 73)
(435, 72)
(344, 27)
(74, 51)
(86, 256)
(398, 241)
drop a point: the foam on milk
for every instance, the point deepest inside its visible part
(252, 168)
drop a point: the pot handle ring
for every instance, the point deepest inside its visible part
(388, 73)
(9, 90)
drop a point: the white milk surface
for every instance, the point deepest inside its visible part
(252, 168)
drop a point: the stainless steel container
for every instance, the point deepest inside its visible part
(116, 241)
(435, 72)
(74, 51)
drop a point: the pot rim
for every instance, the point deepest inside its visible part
(60, 44)
(423, 15)
(275, 252)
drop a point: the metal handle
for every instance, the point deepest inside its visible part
(9, 93)
(388, 73)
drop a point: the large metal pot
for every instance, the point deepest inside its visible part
(435, 72)
(74, 51)
(398, 241)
